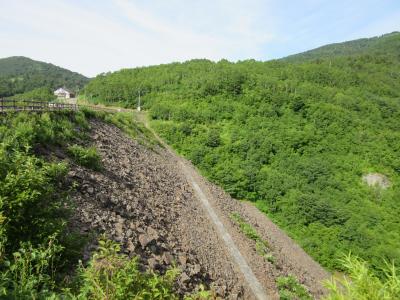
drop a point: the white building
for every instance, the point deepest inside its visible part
(63, 93)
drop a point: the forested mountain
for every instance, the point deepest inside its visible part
(20, 74)
(387, 44)
(294, 138)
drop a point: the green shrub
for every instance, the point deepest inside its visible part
(80, 119)
(87, 157)
(113, 276)
(362, 284)
(31, 271)
(32, 204)
(290, 289)
(29, 202)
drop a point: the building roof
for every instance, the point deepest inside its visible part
(63, 90)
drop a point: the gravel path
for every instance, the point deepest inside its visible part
(251, 280)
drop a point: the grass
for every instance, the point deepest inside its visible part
(262, 246)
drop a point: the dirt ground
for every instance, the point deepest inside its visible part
(144, 200)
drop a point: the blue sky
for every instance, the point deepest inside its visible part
(91, 37)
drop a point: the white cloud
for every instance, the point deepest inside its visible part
(98, 36)
(91, 41)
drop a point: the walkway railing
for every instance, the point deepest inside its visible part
(9, 105)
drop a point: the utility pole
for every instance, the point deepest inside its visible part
(138, 107)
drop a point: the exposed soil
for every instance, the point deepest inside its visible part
(143, 200)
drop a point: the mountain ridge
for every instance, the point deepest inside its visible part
(347, 48)
(20, 74)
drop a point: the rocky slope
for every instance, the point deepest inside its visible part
(142, 199)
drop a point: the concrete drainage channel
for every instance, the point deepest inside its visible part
(251, 280)
(248, 274)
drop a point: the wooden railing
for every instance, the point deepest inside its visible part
(10, 105)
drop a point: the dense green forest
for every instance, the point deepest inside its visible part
(294, 138)
(20, 74)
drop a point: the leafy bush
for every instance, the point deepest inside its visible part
(33, 210)
(114, 276)
(31, 271)
(109, 275)
(29, 202)
(213, 139)
(87, 157)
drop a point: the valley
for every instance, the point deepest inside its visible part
(245, 180)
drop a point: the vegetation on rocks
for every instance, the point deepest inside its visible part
(33, 238)
(262, 246)
(87, 157)
(291, 289)
(114, 276)
(38, 251)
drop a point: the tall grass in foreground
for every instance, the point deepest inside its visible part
(362, 284)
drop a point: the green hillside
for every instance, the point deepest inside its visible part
(295, 139)
(387, 44)
(21, 74)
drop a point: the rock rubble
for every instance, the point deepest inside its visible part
(140, 200)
